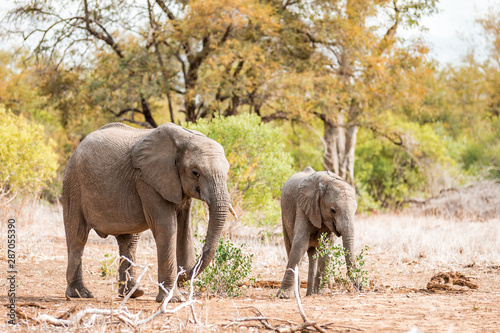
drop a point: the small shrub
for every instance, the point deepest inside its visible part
(336, 261)
(108, 265)
(226, 271)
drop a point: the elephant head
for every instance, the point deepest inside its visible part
(177, 163)
(326, 199)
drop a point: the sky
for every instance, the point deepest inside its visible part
(451, 32)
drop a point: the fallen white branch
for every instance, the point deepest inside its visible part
(121, 312)
(163, 309)
(293, 327)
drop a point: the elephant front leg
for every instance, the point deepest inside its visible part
(162, 220)
(186, 256)
(300, 244)
(167, 265)
(127, 273)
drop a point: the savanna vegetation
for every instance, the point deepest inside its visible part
(282, 85)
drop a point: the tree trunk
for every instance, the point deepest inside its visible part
(334, 146)
(190, 108)
(340, 148)
(350, 145)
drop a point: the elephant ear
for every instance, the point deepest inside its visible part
(155, 155)
(308, 199)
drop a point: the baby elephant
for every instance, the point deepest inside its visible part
(313, 203)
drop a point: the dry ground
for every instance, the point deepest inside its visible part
(405, 252)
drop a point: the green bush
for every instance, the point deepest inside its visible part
(336, 261)
(387, 174)
(481, 155)
(259, 165)
(27, 158)
(226, 271)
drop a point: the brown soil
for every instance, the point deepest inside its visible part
(400, 297)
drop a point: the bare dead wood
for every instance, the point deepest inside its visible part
(306, 320)
(121, 312)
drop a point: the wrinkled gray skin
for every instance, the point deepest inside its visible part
(313, 203)
(122, 181)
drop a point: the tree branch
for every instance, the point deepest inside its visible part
(389, 35)
(165, 9)
(107, 38)
(140, 123)
(239, 67)
(274, 116)
(122, 112)
(226, 34)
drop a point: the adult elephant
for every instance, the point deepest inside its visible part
(313, 203)
(121, 181)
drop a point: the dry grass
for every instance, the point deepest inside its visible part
(433, 240)
(400, 238)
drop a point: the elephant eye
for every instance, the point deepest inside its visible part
(333, 210)
(196, 173)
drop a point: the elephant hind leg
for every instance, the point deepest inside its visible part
(126, 273)
(77, 233)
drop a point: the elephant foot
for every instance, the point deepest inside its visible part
(124, 289)
(78, 290)
(285, 294)
(176, 298)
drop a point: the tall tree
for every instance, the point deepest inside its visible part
(358, 46)
(184, 51)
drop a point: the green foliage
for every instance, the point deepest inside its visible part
(336, 261)
(226, 271)
(259, 166)
(481, 155)
(192, 59)
(387, 174)
(27, 159)
(304, 144)
(108, 265)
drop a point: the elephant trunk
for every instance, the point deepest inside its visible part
(350, 258)
(348, 243)
(218, 211)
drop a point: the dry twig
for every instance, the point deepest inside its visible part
(292, 327)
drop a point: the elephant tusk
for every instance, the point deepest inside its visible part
(231, 209)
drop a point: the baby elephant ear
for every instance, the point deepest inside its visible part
(155, 155)
(308, 199)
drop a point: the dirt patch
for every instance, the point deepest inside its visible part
(268, 284)
(397, 303)
(451, 281)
